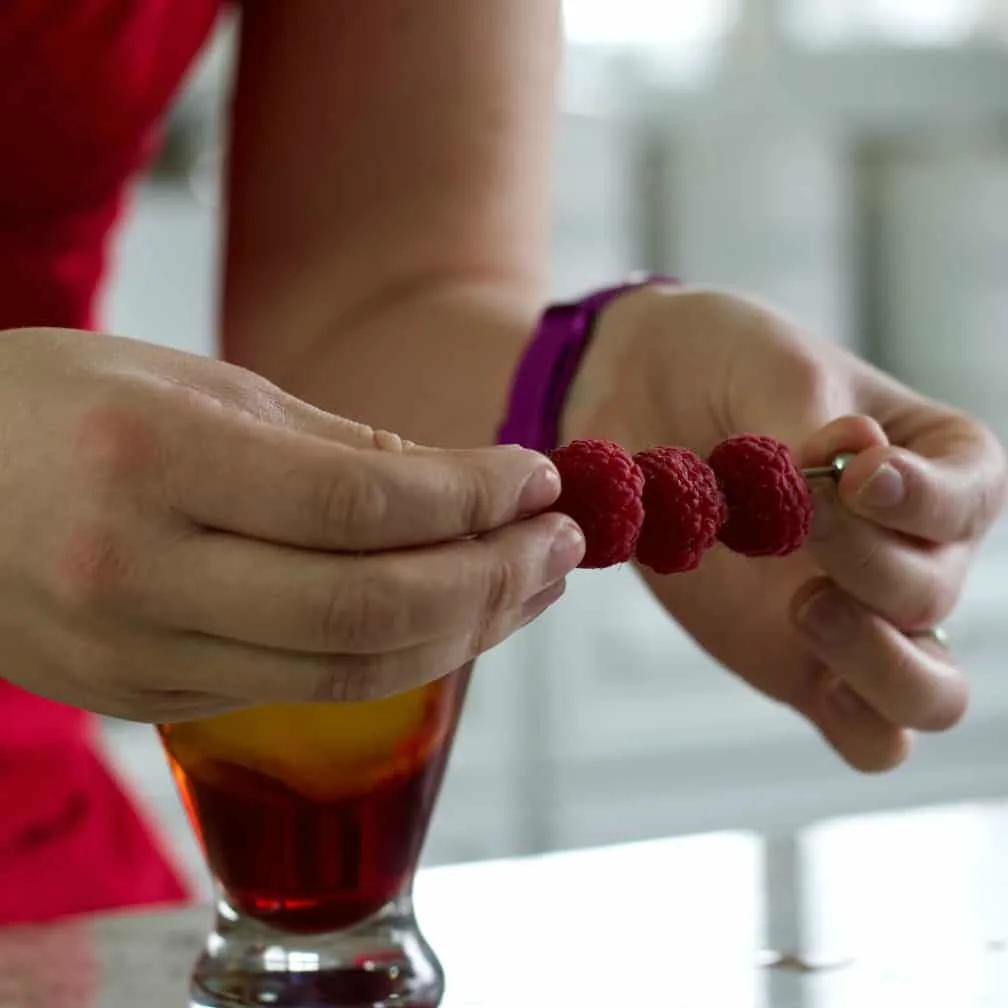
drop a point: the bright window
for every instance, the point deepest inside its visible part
(647, 23)
(689, 24)
(904, 22)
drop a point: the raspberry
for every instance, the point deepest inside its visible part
(683, 510)
(769, 503)
(601, 489)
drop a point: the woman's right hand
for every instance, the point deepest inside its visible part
(179, 538)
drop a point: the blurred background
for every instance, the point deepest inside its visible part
(845, 159)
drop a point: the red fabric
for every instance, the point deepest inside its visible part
(71, 841)
(83, 86)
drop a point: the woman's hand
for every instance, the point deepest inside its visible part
(830, 629)
(178, 538)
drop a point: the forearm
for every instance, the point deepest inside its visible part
(388, 197)
(433, 364)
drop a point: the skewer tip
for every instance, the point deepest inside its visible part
(832, 471)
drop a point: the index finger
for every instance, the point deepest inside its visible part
(945, 487)
(943, 484)
(285, 486)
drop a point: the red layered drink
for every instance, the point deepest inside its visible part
(312, 816)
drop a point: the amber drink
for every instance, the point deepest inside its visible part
(312, 819)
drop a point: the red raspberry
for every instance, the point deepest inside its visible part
(684, 509)
(601, 489)
(769, 502)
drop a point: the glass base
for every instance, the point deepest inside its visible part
(383, 962)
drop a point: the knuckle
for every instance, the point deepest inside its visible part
(810, 382)
(92, 568)
(503, 581)
(938, 513)
(115, 445)
(915, 599)
(946, 715)
(928, 599)
(351, 500)
(989, 491)
(489, 634)
(933, 704)
(990, 504)
(867, 560)
(928, 607)
(500, 595)
(988, 441)
(336, 684)
(354, 680)
(994, 492)
(362, 615)
(483, 486)
(468, 487)
(799, 365)
(476, 501)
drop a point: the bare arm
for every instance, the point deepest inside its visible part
(388, 202)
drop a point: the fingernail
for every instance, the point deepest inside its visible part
(540, 602)
(541, 489)
(827, 618)
(885, 488)
(566, 552)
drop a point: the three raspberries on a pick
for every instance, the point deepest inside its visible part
(667, 506)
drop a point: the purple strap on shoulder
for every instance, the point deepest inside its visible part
(548, 366)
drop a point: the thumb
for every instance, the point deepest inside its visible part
(854, 434)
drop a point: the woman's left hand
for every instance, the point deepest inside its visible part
(836, 629)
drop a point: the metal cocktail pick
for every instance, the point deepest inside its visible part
(832, 471)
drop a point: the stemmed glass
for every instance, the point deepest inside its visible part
(312, 818)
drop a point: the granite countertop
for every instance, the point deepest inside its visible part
(668, 923)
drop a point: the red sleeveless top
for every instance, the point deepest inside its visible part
(83, 86)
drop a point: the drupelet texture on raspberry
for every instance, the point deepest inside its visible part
(769, 502)
(684, 509)
(601, 489)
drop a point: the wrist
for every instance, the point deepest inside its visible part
(610, 369)
(549, 365)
